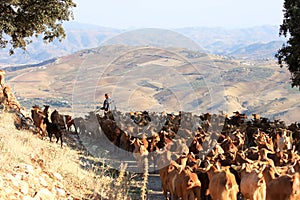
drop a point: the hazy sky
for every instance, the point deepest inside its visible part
(179, 13)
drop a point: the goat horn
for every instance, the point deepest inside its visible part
(132, 141)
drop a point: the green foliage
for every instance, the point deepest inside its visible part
(20, 20)
(289, 54)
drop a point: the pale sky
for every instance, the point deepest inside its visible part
(179, 13)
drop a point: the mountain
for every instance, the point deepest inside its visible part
(156, 79)
(78, 36)
(257, 50)
(222, 41)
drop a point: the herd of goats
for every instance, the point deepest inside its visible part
(207, 156)
(39, 121)
(213, 156)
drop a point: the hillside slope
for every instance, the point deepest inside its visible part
(35, 168)
(158, 79)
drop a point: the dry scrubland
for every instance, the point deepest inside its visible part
(31, 168)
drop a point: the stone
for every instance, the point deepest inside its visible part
(57, 176)
(43, 182)
(28, 168)
(44, 193)
(60, 192)
(24, 188)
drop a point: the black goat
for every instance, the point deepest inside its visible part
(53, 128)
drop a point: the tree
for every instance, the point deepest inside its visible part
(289, 54)
(21, 20)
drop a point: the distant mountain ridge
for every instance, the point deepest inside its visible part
(256, 42)
(257, 50)
(229, 42)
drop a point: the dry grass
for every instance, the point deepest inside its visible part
(83, 180)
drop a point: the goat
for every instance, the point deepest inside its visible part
(2, 75)
(53, 128)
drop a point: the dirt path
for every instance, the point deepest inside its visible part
(154, 183)
(154, 187)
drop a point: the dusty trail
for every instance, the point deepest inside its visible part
(154, 191)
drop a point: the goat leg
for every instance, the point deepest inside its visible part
(50, 136)
(61, 141)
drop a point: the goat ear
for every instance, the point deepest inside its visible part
(238, 168)
(189, 168)
(192, 154)
(248, 168)
(277, 136)
(173, 165)
(190, 183)
(218, 165)
(140, 142)
(229, 185)
(170, 168)
(180, 169)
